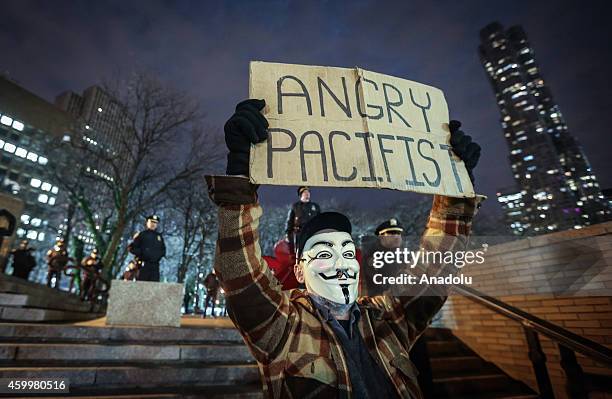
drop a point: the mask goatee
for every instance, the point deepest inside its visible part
(345, 292)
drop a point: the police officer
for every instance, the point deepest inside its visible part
(387, 237)
(301, 212)
(23, 261)
(148, 246)
(390, 233)
(92, 266)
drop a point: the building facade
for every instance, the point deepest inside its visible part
(556, 185)
(27, 124)
(99, 112)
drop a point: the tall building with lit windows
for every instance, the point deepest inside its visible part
(556, 187)
(27, 123)
(99, 111)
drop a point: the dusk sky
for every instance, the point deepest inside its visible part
(204, 48)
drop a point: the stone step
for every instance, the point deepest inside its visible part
(58, 333)
(447, 348)
(123, 353)
(475, 384)
(441, 365)
(10, 284)
(438, 334)
(155, 376)
(9, 313)
(35, 301)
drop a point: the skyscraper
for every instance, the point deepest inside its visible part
(556, 188)
(100, 112)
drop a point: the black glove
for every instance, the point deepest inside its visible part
(464, 148)
(247, 126)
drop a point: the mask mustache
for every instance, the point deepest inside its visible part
(339, 274)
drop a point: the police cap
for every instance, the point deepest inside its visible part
(301, 189)
(155, 218)
(390, 226)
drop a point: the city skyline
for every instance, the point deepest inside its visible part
(218, 73)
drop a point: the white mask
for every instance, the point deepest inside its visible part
(330, 267)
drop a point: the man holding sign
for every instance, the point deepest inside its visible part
(324, 341)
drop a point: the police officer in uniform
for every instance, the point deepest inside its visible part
(387, 237)
(148, 247)
(301, 212)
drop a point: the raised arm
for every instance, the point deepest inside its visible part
(254, 297)
(448, 229)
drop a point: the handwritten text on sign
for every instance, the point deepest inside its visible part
(347, 127)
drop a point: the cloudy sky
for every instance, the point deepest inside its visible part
(204, 48)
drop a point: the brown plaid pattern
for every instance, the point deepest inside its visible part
(298, 354)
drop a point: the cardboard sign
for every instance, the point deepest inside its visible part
(348, 127)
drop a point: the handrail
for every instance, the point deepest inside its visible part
(567, 338)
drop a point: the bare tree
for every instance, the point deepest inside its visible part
(157, 144)
(194, 219)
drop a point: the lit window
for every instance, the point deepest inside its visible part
(35, 183)
(25, 218)
(32, 157)
(8, 147)
(21, 152)
(41, 236)
(46, 186)
(51, 200)
(18, 125)
(42, 160)
(5, 120)
(54, 190)
(32, 234)
(43, 198)
(36, 222)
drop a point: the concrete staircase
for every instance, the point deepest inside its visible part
(25, 301)
(460, 373)
(132, 362)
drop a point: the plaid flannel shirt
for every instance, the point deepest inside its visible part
(297, 352)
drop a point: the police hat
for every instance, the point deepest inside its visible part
(153, 217)
(302, 189)
(323, 221)
(391, 225)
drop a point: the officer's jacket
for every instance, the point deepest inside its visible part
(300, 213)
(297, 352)
(148, 246)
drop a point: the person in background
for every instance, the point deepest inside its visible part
(92, 267)
(301, 212)
(23, 260)
(57, 259)
(211, 283)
